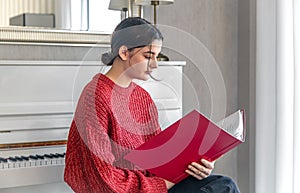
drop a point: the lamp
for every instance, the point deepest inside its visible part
(155, 3)
(121, 5)
(127, 8)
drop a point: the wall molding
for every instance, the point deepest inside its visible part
(30, 34)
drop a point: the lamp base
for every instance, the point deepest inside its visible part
(162, 57)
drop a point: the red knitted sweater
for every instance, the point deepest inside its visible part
(110, 121)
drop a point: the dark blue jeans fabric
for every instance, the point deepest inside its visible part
(211, 184)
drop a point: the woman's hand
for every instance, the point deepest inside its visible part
(200, 170)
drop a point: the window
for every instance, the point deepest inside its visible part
(101, 18)
(92, 15)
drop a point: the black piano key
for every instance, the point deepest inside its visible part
(25, 158)
(39, 156)
(13, 159)
(4, 160)
(33, 157)
(60, 155)
(48, 156)
(18, 158)
(54, 155)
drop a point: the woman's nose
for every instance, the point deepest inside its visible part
(153, 64)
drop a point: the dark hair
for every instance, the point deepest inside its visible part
(132, 32)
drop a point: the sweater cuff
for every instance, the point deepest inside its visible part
(160, 185)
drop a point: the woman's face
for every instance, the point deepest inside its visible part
(143, 60)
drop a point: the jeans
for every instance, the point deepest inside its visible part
(211, 184)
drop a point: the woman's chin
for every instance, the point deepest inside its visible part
(147, 77)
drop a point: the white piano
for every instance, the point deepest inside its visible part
(37, 101)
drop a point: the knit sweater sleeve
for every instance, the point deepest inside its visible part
(90, 162)
(115, 179)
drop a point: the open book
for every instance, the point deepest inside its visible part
(189, 139)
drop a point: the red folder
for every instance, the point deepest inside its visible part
(189, 139)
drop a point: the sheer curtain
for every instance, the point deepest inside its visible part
(296, 175)
(278, 97)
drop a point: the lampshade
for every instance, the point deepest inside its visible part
(151, 2)
(119, 5)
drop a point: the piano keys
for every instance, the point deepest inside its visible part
(32, 160)
(31, 166)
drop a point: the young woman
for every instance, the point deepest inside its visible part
(114, 115)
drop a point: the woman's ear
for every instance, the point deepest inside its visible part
(123, 53)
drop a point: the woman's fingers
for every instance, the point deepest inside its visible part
(199, 176)
(200, 170)
(208, 164)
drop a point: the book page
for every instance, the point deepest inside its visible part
(234, 125)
